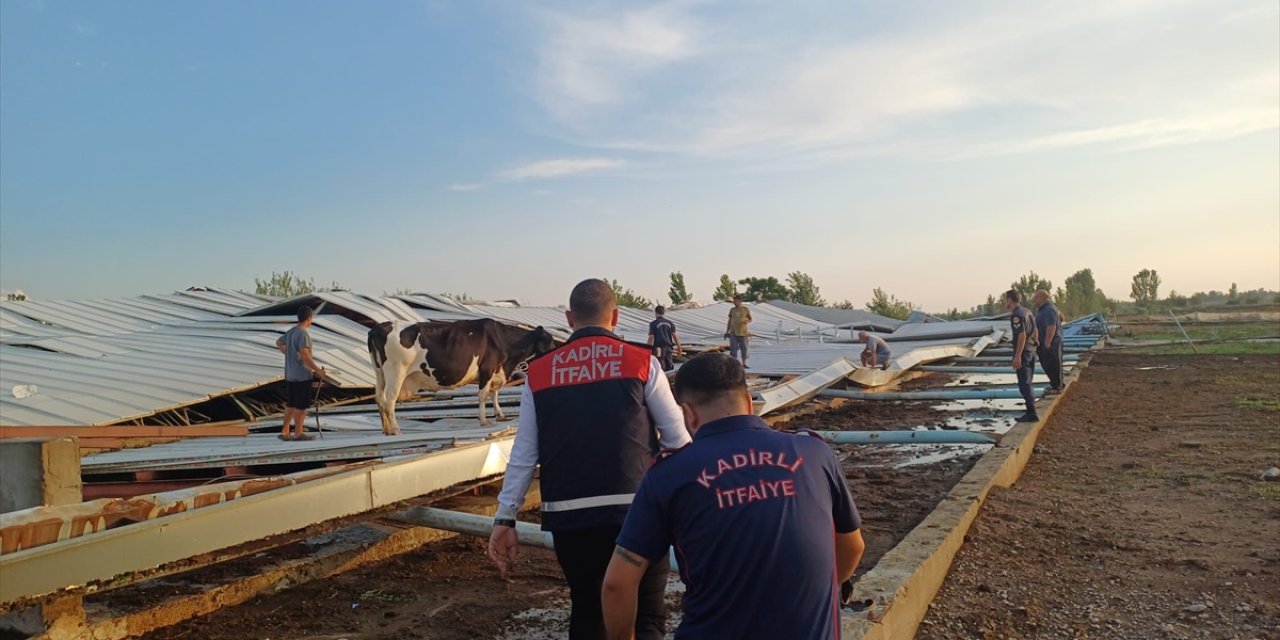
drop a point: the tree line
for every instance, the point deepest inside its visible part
(1079, 294)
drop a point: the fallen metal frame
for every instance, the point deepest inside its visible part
(138, 547)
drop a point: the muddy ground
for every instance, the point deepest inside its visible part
(1141, 515)
(450, 591)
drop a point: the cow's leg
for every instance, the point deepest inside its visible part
(495, 384)
(483, 383)
(395, 376)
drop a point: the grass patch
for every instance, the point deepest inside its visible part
(1179, 478)
(1224, 331)
(1258, 404)
(1265, 490)
(1216, 349)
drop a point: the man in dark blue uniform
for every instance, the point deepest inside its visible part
(1023, 327)
(592, 414)
(1049, 332)
(762, 521)
(663, 337)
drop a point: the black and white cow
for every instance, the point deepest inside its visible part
(413, 356)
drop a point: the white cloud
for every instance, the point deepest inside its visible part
(586, 61)
(1025, 76)
(465, 186)
(560, 168)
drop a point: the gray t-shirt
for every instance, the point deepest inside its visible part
(878, 345)
(295, 340)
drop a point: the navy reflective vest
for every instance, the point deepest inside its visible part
(595, 436)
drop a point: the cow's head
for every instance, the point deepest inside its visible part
(541, 341)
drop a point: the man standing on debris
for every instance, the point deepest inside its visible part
(877, 352)
(762, 521)
(299, 368)
(738, 330)
(1023, 327)
(588, 415)
(663, 337)
(1049, 334)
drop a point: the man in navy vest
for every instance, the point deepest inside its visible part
(663, 337)
(1049, 332)
(1023, 327)
(592, 413)
(762, 521)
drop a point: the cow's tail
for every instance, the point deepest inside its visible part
(377, 356)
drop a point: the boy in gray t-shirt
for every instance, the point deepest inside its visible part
(299, 372)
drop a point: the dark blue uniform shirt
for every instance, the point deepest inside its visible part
(663, 332)
(1022, 323)
(753, 515)
(1047, 315)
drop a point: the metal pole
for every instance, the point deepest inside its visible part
(481, 526)
(942, 368)
(1184, 331)
(906, 437)
(939, 394)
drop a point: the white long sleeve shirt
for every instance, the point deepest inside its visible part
(659, 400)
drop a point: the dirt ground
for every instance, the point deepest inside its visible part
(1141, 515)
(450, 591)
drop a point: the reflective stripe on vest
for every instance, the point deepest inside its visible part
(588, 503)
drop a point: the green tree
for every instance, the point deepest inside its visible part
(763, 289)
(727, 289)
(284, 285)
(1145, 287)
(1080, 295)
(1176, 300)
(627, 297)
(802, 290)
(888, 305)
(677, 292)
(1027, 285)
(843, 304)
(460, 298)
(1234, 292)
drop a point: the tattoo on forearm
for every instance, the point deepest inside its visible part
(631, 558)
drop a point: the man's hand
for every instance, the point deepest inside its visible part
(1016, 362)
(504, 548)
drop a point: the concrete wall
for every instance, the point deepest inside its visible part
(38, 472)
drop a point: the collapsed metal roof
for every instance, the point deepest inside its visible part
(112, 360)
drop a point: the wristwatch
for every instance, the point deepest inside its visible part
(504, 522)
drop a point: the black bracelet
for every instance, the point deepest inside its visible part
(504, 522)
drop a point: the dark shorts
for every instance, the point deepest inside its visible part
(298, 394)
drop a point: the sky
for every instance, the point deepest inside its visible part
(936, 149)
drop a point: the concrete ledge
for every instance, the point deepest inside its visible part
(343, 553)
(907, 578)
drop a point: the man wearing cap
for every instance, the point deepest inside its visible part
(738, 330)
(762, 522)
(1049, 328)
(593, 413)
(663, 337)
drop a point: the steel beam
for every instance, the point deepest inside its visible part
(102, 556)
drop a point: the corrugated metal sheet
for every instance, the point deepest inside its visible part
(94, 362)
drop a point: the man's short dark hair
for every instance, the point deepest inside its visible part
(305, 313)
(660, 310)
(737, 297)
(709, 377)
(1013, 296)
(592, 299)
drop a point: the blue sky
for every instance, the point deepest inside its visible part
(936, 149)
